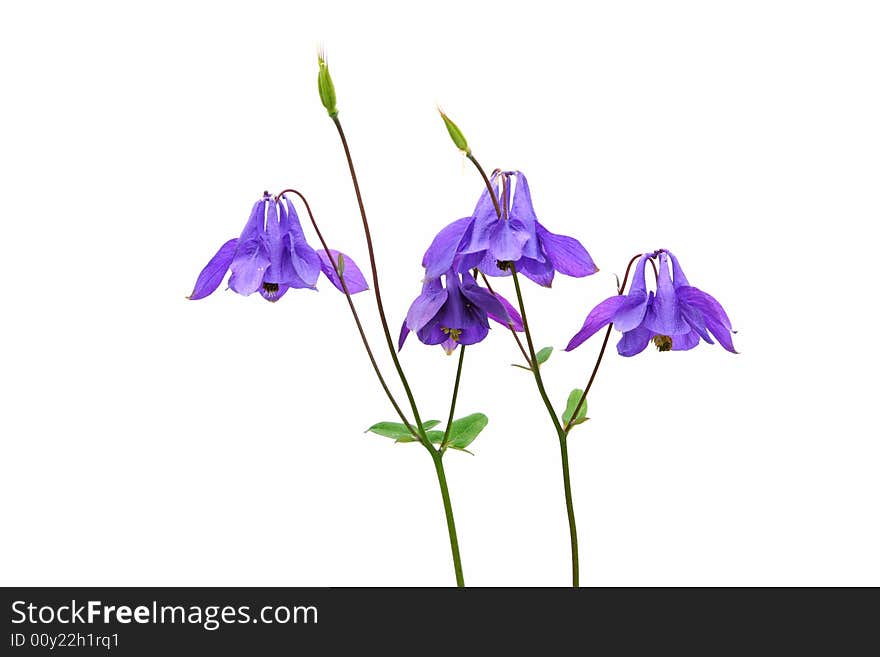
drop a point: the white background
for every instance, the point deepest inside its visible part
(151, 440)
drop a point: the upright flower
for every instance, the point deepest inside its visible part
(271, 256)
(492, 243)
(456, 314)
(675, 317)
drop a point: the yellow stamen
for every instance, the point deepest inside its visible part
(663, 342)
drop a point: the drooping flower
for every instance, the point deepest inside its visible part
(675, 317)
(491, 243)
(272, 255)
(458, 313)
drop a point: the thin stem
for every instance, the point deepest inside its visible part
(376, 289)
(560, 432)
(471, 157)
(454, 399)
(569, 509)
(535, 370)
(450, 519)
(354, 313)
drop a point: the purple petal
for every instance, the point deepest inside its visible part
(354, 279)
(540, 272)
(634, 342)
(438, 258)
(255, 226)
(481, 260)
(213, 273)
(678, 277)
(426, 305)
(507, 240)
(705, 303)
(449, 346)
(721, 333)
(631, 315)
(473, 333)
(514, 317)
(664, 316)
(599, 316)
(248, 267)
(567, 255)
(686, 341)
(404, 332)
(306, 263)
(485, 300)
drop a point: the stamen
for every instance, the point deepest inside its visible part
(663, 342)
(271, 290)
(503, 265)
(454, 334)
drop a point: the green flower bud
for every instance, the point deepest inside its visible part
(325, 87)
(456, 134)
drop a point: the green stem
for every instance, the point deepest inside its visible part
(560, 432)
(569, 508)
(454, 399)
(450, 519)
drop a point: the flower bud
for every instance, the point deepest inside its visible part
(456, 134)
(325, 87)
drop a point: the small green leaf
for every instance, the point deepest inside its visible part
(436, 436)
(465, 430)
(543, 355)
(398, 431)
(573, 398)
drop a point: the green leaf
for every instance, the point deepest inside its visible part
(573, 398)
(543, 355)
(398, 431)
(465, 430)
(435, 436)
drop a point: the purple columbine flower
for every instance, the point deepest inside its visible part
(491, 243)
(272, 256)
(456, 314)
(675, 317)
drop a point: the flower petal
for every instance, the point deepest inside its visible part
(306, 263)
(514, 316)
(404, 332)
(212, 275)
(685, 341)
(248, 267)
(634, 342)
(255, 226)
(632, 313)
(599, 316)
(438, 258)
(705, 303)
(567, 255)
(354, 279)
(484, 300)
(426, 306)
(721, 333)
(540, 272)
(664, 316)
(678, 277)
